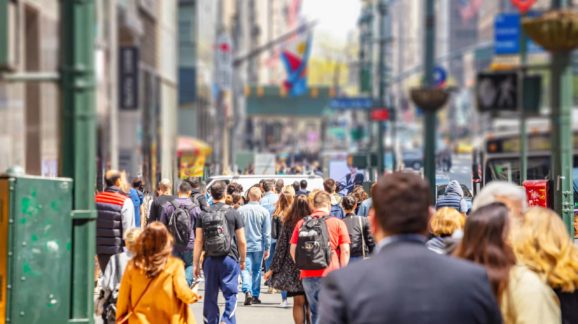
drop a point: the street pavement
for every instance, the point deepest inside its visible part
(461, 169)
(268, 312)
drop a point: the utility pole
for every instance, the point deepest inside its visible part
(78, 147)
(430, 116)
(522, 109)
(365, 70)
(561, 128)
(382, 9)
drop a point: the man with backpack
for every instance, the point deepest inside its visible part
(315, 244)
(197, 195)
(220, 234)
(180, 216)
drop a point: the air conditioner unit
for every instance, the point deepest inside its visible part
(9, 21)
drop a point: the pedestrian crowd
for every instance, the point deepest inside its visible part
(386, 257)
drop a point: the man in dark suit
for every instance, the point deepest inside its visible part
(404, 282)
(353, 179)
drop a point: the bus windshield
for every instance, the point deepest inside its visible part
(508, 169)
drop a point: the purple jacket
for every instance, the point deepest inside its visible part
(167, 211)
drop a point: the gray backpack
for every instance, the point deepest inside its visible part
(217, 239)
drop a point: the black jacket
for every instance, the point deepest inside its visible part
(405, 283)
(355, 230)
(568, 306)
(201, 200)
(109, 229)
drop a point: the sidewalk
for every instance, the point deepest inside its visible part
(268, 312)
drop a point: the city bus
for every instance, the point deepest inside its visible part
(499, 158)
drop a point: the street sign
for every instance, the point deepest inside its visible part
(129, 78)
(507, 31)
(380, 114)
(351, 103)
(497, 91)
(224, 61)
(440, 76)
(507, 34)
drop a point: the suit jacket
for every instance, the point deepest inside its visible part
(358, 180)
(407, 283)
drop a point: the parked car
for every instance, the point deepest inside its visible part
(247, 181)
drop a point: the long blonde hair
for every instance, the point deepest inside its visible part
(285, 201)
(543, 245)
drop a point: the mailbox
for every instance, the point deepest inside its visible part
(35, 252)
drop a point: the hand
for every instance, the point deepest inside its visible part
(266, 255)
(268, 275)
(197, 271)
(242, 264)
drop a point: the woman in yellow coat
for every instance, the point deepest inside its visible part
(153, 288)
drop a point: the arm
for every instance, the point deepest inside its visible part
(199, 242)
(127, 213)
(292, 251)
(280, 251)
(123, 301)
(344, 256)
(332, 306)
(367, 235)
(242, 245)
(266, 230)
(182, 290)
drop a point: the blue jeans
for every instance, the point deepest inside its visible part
(187, 257)
(221, 273)
(251, 276)
(312, 287)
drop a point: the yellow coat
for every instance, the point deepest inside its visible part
(165, 301)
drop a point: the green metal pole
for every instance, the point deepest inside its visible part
(78, 147)
(430, 117)
(523, 125)
(4, 30)
(382, 8)
(561, 127)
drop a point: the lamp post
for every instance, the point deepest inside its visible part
(365, 61)
(382, 10)
(428, 98)
(556, 32)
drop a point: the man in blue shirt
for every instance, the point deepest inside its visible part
(257, 222)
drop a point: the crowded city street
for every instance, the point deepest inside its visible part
(289, 161)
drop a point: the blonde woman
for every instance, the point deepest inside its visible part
(543, 245)
(110, 281)
(444, 223)
(154, 288)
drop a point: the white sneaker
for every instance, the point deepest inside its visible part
(284, 304)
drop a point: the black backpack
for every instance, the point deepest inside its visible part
(180, 225)
(217, 239)
(313, 250)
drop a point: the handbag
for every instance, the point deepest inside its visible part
(131, 312)
(362, 237)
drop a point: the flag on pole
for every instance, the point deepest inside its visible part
(295, 58)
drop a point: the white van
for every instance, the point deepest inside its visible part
(247, 181)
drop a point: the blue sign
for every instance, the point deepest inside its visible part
(507, 31)
(507, 34)
(440, 76)
(353, 103)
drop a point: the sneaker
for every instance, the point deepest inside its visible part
(248, 299)
(284, 304)
(256, 301)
